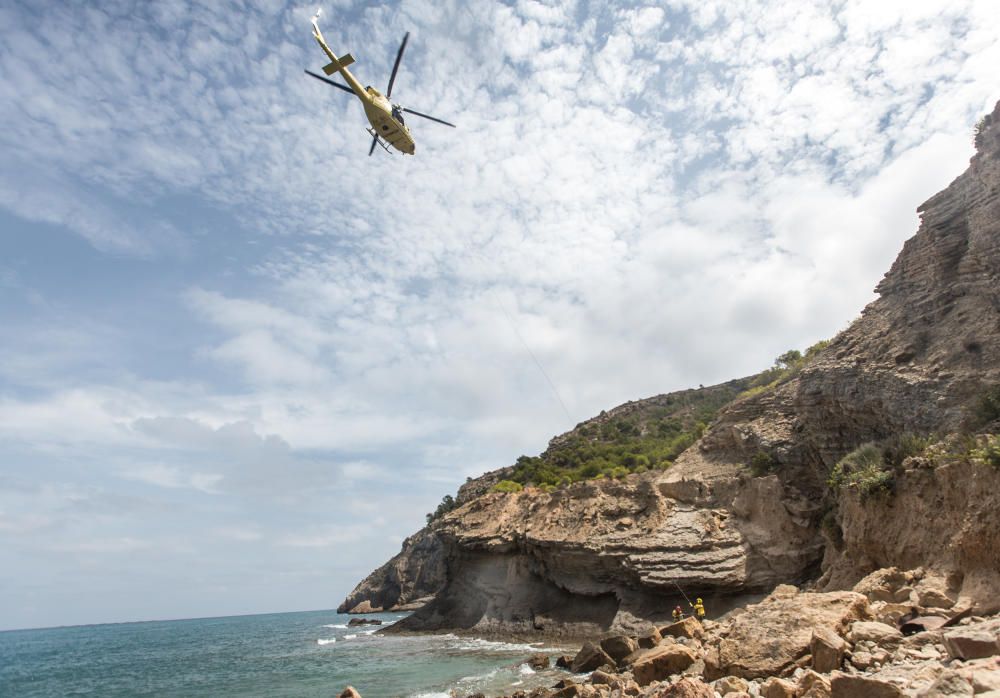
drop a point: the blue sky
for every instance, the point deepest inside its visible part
(240, 360)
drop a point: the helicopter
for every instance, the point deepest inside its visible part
(386, 118)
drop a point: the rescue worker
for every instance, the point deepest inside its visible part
(678, 614)
(699, 610)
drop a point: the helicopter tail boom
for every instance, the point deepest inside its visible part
(342, 62)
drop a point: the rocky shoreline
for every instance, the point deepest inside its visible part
(896, 634)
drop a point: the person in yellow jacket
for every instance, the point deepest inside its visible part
(678, 614)
(699, 610)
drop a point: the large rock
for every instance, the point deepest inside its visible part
(685, 688)
(813, 685)
(872, 631)
(730, 684)
(777, 688)
(349, 692)
(856, 686)
(767, 639)
(650, 638)
(971, 643)
(949, 685)
(619, 646)
(827, 649)
(688, 627)
(590, 657)
(661, 663)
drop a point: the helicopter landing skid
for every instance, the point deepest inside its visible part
(378, 140)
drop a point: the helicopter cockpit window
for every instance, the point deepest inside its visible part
(397, 115)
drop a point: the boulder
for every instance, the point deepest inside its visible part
(983, 674)
(349, 692)
(354, 622)
(604, 678)
(649, 639)
(689, 627)
(564, 661)
(827, 649)
(882, 585)
(971, 643)
(767, 639)
(872, 631)
(590, 657)
(687, 687)
(662, 662)
(619, 646)
(730, 684)
(855, 686)
(813, 685)
(890, 613)
(949, 685)
(777, 688)
(538, 661)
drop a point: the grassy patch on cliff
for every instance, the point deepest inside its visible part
(786, 367)
(870, 469)
(633, 438)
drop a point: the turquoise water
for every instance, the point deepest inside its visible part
(311, 653)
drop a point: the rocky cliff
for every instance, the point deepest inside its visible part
(749, 506)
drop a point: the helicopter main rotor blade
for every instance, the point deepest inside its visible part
(345, 88)
(395, 66)
(432, 118)
(374, 143)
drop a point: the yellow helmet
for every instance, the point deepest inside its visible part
(698, 601)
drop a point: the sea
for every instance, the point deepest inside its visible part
(312, 653)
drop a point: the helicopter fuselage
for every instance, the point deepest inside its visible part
(387, 123)
(388, 127)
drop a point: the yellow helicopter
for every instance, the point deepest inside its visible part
(386, 118)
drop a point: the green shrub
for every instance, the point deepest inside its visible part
(905, 446)
(987, 407)
(447, 504)
(989, 454)
(863, 469)
(508, 486)
(762, 463)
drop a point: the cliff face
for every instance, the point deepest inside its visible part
(407, 581)
(607, 554)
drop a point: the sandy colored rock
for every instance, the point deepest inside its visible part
(949, 685)
(971, 643)
(827, 649)
(777, 688)
(687, 687)
(813, 685)
(730, 684)
(649, 638)
(857, 686)
(619, 646)
(768, 638)
(349, 692)
(872, 631)
(688, 627)
(590, 657)
(661, 663)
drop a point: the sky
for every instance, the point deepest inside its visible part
(240, 359)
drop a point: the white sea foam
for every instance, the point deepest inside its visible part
(323, 641)
(335, 625)
(350, 637)
(525, 670)
(431, 695)
(475, 643)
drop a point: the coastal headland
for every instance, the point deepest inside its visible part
(815, 507)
